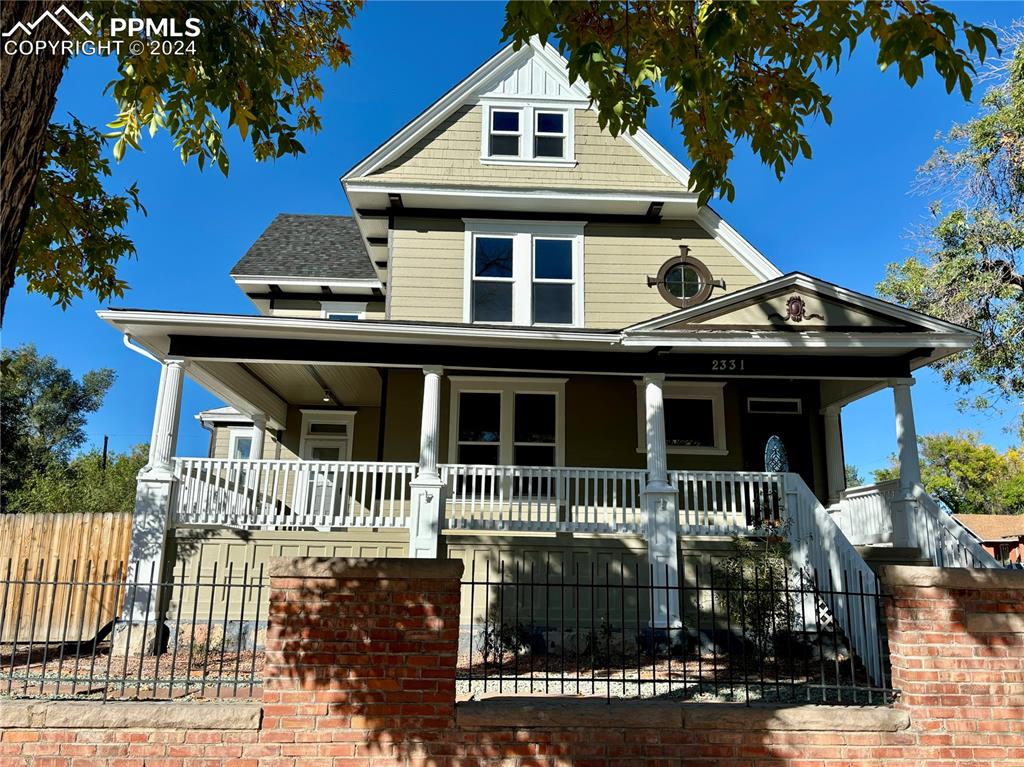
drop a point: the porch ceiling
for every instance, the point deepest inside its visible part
(300, 384)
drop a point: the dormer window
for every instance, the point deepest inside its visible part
(525, 134)
(549, 135)
(505, 133)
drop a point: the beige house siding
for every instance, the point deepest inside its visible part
(427, 270)
(618, 259)
(450, 154)
(428, 263)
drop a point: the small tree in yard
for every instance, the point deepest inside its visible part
(756, 576)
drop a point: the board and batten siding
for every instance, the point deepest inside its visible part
(428, 261)
(450, 154)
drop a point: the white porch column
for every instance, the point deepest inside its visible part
(427, 487)
(259, 432)
(661, 507)
(835, 467)
(905, 508)
(153, 494)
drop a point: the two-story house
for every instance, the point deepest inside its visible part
(529, 341)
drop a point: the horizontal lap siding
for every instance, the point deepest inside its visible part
(618, 259)
(427, 270)
(450, 153)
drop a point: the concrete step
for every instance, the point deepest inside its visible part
(877, 556)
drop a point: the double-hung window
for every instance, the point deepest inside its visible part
(505, 133)
(524, 273)
(514, 134)
(550, 134)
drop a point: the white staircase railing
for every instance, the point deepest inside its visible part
(865, 513)
(942, 540)
(291, 494)
(484, 497)
(726, 502)
(845, 582)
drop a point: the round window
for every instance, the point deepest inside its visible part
(684, 282)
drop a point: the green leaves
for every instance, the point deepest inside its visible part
(971, 267)
(739, 72)
(75, 237)
(256, 64)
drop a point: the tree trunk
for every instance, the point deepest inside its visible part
(28, 84)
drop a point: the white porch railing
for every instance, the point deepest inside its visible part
(943, 541)
(726, 502)
(290, 494)
(543, 498)
(819, 548)
(865, 513)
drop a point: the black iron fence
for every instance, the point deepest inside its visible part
(735, 630)
(63, 634)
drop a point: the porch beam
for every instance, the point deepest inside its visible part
(480, 357)
(239, 388)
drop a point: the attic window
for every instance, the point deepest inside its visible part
(505, 133)
(525, 134)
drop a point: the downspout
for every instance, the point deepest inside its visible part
(126, 339)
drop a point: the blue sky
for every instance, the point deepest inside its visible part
(841, 216)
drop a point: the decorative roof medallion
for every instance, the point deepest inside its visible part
(796, 311)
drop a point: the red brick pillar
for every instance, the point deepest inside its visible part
(956, 640)
(361, 659)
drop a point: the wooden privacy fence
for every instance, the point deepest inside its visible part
(44, 561)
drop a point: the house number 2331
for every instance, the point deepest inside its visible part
(727, 364)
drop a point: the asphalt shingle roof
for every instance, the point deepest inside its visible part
(296, 245)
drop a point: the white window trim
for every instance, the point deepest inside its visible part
(358, 308)
(527, 130)
(523, 233)
(684, 390)
(236, 433)
(799, 405)
(507, 388)
(310, 416)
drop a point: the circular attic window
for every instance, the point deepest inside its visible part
(684, 281)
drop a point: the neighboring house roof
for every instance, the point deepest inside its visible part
(993, 527)
(325, 247)
(222, 415)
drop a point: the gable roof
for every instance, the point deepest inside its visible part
(993, 527)
(839, 309)
(324, 247)
(490, 75)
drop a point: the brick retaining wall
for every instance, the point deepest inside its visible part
(361, 673)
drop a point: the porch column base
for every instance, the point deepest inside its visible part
(904, 510)
(661, 506)
(142, 603)
(428, 495)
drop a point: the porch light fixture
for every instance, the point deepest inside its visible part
(684, 281)
(327, 395)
